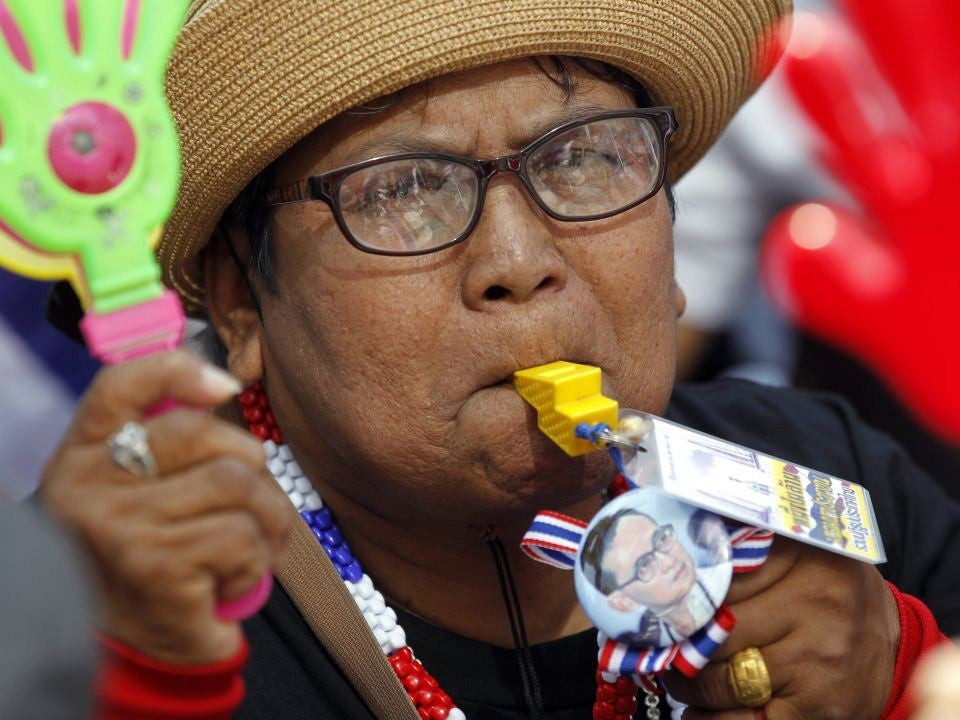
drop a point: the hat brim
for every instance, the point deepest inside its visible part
(249, 79)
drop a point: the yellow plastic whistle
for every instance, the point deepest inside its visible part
(565, 394)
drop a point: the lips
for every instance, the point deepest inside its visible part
(505, 377)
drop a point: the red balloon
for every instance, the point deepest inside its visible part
(882, 282)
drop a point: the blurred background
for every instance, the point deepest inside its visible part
(42, 373)
(768, 160)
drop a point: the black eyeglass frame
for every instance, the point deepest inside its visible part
(326, 186)
(653, 552)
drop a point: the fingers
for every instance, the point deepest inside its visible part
(179, 440)
(758, 625)
(832, 244)
(15, 56)
(37, 22)
(915, 46)
(102, 28)
(184, 438)
(738, 714)
(774, 710)
(223, 485)
(711, 688)
(229, 547)
(160, 585)
(784, 555)
(126, 392)
(159, 22)
(836, 82)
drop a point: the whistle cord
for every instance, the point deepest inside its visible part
(528, 672)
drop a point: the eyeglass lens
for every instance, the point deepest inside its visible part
(647, 565)
(411, 205)
(596, 168)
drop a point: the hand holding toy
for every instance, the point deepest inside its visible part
(882, 285)
(89, 169)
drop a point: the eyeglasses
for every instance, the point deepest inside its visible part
(420, 202)
(647, 566)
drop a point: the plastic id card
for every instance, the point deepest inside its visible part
(760, 489)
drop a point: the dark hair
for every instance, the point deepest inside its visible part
(595, 545)
(248, 214)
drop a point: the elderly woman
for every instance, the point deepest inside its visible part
(387, 209)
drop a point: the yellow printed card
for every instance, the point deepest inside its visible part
(762, 490)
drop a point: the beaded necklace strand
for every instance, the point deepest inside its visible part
(616, 697)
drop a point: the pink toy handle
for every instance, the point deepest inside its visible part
(139, 331)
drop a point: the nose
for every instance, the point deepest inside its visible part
(667, 562)
(512, 256)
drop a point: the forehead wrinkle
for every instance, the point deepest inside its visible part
(428, 117)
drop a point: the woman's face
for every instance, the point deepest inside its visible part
(389, 375)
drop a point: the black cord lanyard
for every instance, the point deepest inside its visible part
(511, 599)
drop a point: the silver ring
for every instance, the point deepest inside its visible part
(130, 449)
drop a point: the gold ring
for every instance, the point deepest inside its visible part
(749, 678)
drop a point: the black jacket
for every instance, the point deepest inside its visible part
(290, 676)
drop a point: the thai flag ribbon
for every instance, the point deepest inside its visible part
(554, 539)
(689, 656)
(751, 546)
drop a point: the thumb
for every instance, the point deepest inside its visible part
(128, 391)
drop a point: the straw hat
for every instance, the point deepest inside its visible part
(250, 78)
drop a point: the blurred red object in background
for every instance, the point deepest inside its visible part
(884, 91)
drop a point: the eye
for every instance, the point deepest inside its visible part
(665, 539)
(572, 156)
(402, 186)
(646, 568)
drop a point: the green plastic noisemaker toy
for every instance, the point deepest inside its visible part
(90, 167)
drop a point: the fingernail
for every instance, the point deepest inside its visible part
(218, 382)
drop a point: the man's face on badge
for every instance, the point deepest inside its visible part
(668, 571)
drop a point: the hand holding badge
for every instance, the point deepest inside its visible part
(652, 569)
(89, 169)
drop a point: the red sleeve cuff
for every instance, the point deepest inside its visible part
(918, 634)
(134, 686)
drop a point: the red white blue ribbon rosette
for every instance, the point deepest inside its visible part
(555, 539)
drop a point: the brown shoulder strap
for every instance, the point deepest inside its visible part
(313, 583)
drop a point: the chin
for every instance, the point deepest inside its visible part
(519, 488)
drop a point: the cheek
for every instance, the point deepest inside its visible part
(657, 592)
(347, 331)
(630, 273)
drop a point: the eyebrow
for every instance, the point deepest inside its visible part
(402, 142)
(567, 115)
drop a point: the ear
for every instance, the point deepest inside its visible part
(680, 299)
(229, 306)
(621, 602)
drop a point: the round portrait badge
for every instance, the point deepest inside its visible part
(651, 570)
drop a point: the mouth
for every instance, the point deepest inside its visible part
(505, 378)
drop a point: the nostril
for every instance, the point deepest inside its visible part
(545, 283)
(495, 292)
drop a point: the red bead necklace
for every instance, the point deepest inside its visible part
(614, 700)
